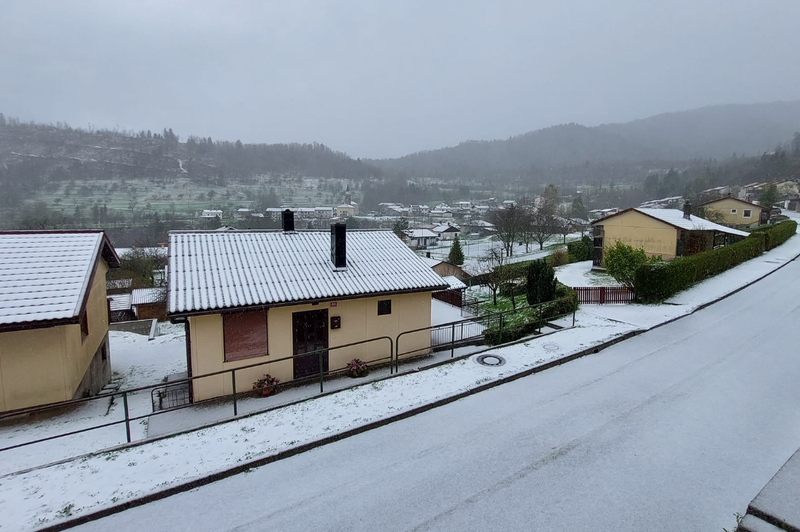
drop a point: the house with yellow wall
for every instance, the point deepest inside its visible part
(668, 233)
(345, 210)
(735, 212)
(249, 297)
(53, 316)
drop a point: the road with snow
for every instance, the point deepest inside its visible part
(676, 429)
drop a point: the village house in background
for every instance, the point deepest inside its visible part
(735, 212)
(668, 233)
(269, 295)
(53, 316)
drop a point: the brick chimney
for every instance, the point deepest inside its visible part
(339, 246)
(288, 221)
(687, 210)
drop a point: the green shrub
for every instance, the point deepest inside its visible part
(661, 280)
(580, 250)
(540, 282)
(776, 234)
(558, 258)
(621, 262)
(565, 304)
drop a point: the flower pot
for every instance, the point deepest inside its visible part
(267, 391)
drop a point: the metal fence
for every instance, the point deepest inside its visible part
(176, 395)
(155, 391)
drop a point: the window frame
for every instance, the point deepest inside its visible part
(747, 213)
(733, 211)
(384, 303)
(234, 357)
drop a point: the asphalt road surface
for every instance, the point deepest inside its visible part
(676, 429)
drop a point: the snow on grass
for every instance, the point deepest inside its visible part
(135, 362)
(581, 274)
(39, 497)
(51, 493)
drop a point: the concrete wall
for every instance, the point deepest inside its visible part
(722, 208)
(445, 269)
(40, 366)
(360, 321)
(640, 231)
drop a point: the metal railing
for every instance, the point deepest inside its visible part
(472, 330)
(235, 395)
(453, 334)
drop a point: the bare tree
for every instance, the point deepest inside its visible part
(543, 227)
(507, 224)
(491, 268)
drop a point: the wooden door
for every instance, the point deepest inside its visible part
(309, 334)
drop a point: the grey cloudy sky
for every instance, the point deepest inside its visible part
(379, 78)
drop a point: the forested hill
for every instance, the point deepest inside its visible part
(34, 154)
(706, 133)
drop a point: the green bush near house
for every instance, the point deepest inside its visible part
(566, 302)
(776, 234)
(661, 280)
(580, 250)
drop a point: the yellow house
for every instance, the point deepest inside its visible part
(249, 297)
(345, 211)
(53, 316)
(669, 233)
(735, 212)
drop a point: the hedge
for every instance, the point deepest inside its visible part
(567, 302)
(659, 281)
(776, 234)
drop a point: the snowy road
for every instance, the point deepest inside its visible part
(676, 429)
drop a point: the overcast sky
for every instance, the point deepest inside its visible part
(379, 78)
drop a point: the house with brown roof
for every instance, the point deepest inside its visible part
(735, 212)
(251, 297)
(667, 233)
(53, 316)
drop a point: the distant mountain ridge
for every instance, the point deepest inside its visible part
(706, 133)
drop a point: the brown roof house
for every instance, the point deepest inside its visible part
(669, 233)
(53, 316)
(735, 212)
(256, 296)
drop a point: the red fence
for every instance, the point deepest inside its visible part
(604, 294)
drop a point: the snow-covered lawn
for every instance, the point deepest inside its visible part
(135, 362)
(51, 493)
(581, 274)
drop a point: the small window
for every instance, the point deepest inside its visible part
(384, 307)
(746, 213)
(733, 211)
(84, 325)
(244, 335)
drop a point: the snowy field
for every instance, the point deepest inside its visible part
(46, 495)
(581, 274)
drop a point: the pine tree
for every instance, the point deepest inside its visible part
(456, 255)
(541, 283)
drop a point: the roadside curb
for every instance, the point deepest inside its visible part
(241, 468)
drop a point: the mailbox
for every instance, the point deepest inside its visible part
(336, 322)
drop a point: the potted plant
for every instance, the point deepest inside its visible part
(357, 368)
(266, 385)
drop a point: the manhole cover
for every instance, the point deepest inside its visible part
(490, 360)
(551, 347)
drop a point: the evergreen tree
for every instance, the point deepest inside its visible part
(769, 196)
(456, 255)
(541, 282)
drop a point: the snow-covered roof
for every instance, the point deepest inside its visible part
(421, 233)
(209, 270)
(118, 284)
(143, 296)
(45, 275)
(454, 283)
(675, 218)
(344, 206)
(119, 302)
(446, 228)
(431, 262)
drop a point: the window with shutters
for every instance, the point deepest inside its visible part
(244, 335)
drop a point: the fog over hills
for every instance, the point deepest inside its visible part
(705, 133)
